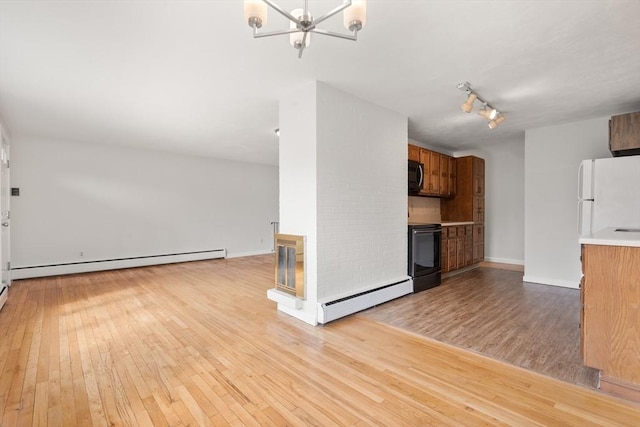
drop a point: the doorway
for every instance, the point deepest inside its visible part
(5, 213)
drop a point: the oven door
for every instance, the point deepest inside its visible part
(425, 252)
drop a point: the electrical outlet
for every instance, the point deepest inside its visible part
(81, 254)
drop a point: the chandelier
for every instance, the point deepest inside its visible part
(302, 23)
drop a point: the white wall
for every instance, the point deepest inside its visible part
(552, 157)
(343, 186)
(298, 182)
(113, 202)
(362, 195)
(504, 200)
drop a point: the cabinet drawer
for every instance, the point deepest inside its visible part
(468, 230)
(451, 232)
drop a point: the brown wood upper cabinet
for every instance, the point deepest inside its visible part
(624, 134)
(414, 153)
(439, 174)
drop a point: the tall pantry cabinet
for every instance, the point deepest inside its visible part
(468, 202)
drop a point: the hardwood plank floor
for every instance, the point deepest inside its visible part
(200, 344)
(492, 312)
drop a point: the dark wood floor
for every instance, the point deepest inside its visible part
(492, 312)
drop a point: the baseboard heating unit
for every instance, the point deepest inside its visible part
(113, 264)
(352, 304)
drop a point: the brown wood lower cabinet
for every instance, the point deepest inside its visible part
(478, 243)
(610, 293)
(458, 246)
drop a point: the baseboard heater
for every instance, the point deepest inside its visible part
(113, 264)
(352, 304)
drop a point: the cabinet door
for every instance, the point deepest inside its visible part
(624, 132)
(444, 264)
(452, 176)
(434, 180)
(444, 175)
(453, 254)
(478, 176)
(468, 245)
(478, 209)
(414, 153)
(461, 250)
(425, 159)
(478, 243)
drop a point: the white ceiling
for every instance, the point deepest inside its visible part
(187, 76)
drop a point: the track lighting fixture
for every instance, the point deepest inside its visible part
(490, 113)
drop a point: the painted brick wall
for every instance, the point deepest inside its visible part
(361, 195)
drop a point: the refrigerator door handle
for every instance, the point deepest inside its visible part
(580, 181)
(585, 213)
(580, 206)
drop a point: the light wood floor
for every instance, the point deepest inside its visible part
(491, 311)
(199, 344)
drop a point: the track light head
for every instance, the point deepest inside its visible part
(495, 122)
(488, 113)
(468, 104)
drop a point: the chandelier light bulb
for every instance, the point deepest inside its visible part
(295, 39)
(355, 16)
(255, 13)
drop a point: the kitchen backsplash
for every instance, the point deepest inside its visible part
(424, 209)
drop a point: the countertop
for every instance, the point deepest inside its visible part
(448, 224)
(611, 237)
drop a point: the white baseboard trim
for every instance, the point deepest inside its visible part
(243, 254)
(505, 260)
(333, 310)
(112, 264)
(552, 282)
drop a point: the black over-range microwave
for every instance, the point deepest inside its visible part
(415, 177)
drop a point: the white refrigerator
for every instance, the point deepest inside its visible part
(608, 194)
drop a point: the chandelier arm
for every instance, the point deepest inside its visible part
(302, 45)
(352, 37)
(329, 14)
(258, 35)
(283, 12)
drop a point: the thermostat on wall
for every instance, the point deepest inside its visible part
(15, 191)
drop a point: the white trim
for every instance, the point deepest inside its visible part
(86, 267)
(552, 282)
(299, 314)
(332, 311)
(505, 260)
(284, 299)
(252, 253)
